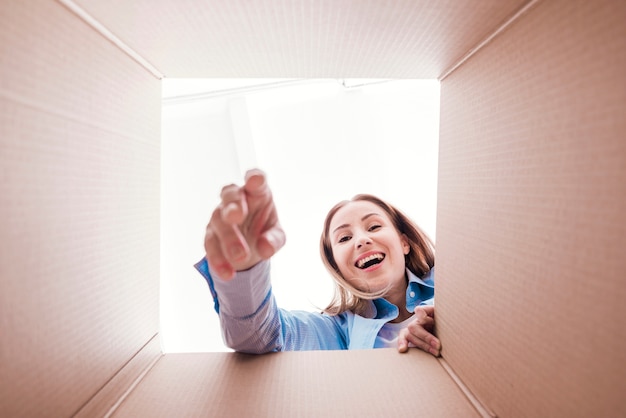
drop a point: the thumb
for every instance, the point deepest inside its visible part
(271, 241)
(403, 343)
(423, 311)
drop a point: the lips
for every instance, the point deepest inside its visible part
(368, 260)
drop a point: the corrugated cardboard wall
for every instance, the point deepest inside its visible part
(79, 209)
(305, 384)
(532, 214)
(296, 39)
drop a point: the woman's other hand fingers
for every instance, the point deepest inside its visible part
(418, 332)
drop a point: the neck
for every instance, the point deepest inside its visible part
(403, 315)
(399, 299)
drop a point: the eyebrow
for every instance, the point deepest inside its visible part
(362, 219)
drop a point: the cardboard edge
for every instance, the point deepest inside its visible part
(115, 390)
(316, 383)
(508, 22)
(106, 33)
(476, 403)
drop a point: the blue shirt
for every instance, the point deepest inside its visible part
(252, 323)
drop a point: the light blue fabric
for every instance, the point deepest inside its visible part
(253, 323)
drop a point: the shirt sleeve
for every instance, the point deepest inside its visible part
(252, 322)
(241, 296)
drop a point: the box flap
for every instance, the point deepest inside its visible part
(358, 383)
(79, 209)
(531, 222)
(310, 39)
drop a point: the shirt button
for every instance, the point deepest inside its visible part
(412, 294)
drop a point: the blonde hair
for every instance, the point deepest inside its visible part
(419, 260)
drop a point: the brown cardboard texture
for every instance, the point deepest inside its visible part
(531, 205)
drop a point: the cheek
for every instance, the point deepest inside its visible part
(342, 259)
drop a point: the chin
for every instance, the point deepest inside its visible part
(377, 287)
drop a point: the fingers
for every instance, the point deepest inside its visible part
(244, 228)
(255, 183)
(418, 332)
(403, 342)
(425, 316)
(270, 242)
(417, 336)
(265, 225)
(235, 198)
(215, 256)
(428, 310)
(223, 242)
(234, 207)
(224, 245)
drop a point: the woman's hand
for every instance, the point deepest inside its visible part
(419, 332)
(244, 228)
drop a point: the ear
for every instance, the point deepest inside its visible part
(406, 247)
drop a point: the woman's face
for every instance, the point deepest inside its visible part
(367, 248)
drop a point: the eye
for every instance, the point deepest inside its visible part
(374, 227)
(344, 238)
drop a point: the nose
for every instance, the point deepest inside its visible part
(361, 240)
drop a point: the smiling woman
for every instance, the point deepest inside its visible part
(318, 142)
(245, 232)
(367, 245)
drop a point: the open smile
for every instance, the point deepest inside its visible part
(369, 260)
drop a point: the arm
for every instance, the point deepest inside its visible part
(243, 232)
(252, 323)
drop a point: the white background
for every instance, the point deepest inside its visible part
(319, 142)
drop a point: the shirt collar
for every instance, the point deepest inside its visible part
(420, 291)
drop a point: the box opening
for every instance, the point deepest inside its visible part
(319, 140)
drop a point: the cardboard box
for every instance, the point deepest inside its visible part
(531, 210)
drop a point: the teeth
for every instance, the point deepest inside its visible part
(363, 261)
